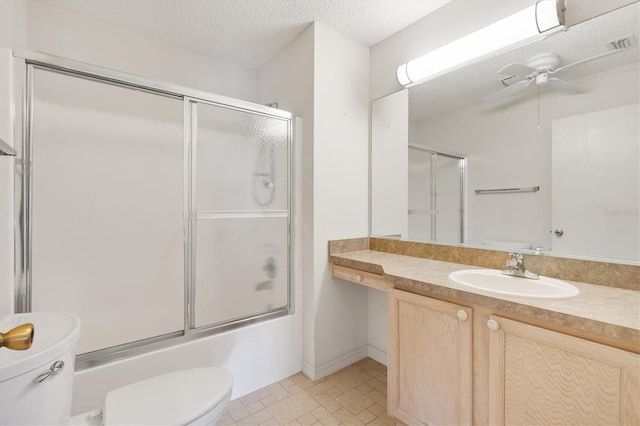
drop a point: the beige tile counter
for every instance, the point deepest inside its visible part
(612, 314)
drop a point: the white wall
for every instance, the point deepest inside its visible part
(389, 167)
(322, 75)
(377, 326)
(13, 23)
(62, 33)
(340, 188)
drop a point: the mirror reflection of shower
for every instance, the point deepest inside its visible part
(263, 185)
(436, 195)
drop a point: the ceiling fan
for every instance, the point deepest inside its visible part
(540, 71)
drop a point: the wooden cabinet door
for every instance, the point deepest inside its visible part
(429, 366)
(542, 377)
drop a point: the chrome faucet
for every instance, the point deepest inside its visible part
(515, 267)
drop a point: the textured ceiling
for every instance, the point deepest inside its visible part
(250, 32)
(467, 86)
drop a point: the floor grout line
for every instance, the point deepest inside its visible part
(355, 395)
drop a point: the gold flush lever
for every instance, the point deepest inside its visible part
(18, 338)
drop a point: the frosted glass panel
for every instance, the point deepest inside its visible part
(434, 197)
(241, 268)
(419, 195)
(107, 208)
(241, 160)
(448, 199)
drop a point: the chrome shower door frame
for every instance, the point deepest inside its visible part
(462, 168)
(25, 62)
(191, 141)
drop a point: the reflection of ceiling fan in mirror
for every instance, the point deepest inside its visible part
(540, 71)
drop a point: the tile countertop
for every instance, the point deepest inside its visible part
(609, 312)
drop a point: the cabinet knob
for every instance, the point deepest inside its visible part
(358, 278)
(493, 325)
(462, 315)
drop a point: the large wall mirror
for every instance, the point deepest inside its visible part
(508, 162)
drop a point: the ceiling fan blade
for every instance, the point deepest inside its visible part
(556, 83)
(507, 91)
(517, 70)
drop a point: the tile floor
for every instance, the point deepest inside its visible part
(356, 395)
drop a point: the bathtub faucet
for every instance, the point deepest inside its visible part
(515, 267)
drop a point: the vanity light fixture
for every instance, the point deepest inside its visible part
(537, 21)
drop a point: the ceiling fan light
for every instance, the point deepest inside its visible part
(542, 78)
(522, 27)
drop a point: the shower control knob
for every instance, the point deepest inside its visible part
(462, 315)
(559, 232)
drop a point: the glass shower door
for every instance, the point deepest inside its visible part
(436, 195)
(154, 216)
(241, 214)
(420, 191)
(106, 235)
(449, 195)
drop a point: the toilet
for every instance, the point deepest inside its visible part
(196, 396)
(42, 377)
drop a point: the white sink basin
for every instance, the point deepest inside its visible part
(494, 281)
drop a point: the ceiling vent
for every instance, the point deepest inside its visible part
(623, 43)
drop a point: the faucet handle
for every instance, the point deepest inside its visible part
(516, 259)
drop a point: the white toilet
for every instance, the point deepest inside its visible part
(196, 396)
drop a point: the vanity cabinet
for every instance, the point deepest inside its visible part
(453, 364)
(539, 376)
(429, 360)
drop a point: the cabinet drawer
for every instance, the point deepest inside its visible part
(361, 277)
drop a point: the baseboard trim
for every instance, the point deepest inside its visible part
(377, 355)
(330, 367)
(308, 370)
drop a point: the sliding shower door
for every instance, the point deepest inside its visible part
(107, 173)
(420, 195)
(436, 195)
(241, 214)
(153, 212)
(449, 196)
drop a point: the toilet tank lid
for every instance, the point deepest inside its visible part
(174, 398)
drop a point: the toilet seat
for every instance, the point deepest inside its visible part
(180, 397)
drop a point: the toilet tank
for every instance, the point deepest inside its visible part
(36, 384)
